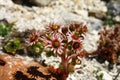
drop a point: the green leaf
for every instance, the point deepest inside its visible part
(49, 53)
(100, 77)
(13, 45)
(40, 45)
(4, 29)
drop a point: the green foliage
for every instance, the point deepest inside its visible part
(13, 45)
(36, 48)
(49, 53)
(4, 29)
(100, 77)
(109, 20)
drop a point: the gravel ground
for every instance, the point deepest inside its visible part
(63, 12)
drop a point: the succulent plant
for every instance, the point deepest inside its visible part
(13, 45)
(109, 47)
(36, 49)
(5, 28)
(65, 42)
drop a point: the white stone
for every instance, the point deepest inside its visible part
(90, 41)
(117, 18)
(54, 61)
(83, 13)
(106, 76)
(96, 6)
(41, 2)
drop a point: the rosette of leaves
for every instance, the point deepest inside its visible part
(109, 47)
(13, 45)
(5, 28)
(35, 49)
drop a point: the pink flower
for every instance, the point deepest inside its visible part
(52, 28)
(33, 38)
(55, 43)
(76, 32)
(76, 45)
(73, 36)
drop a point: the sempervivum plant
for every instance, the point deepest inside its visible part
(65, 42)
(35, 47)
(5, 28)
(109, 48)
(13, 45)
(24, 43)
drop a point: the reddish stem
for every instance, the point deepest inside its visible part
(64, 58)
(65, 66)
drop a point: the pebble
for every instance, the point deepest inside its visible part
(106, 76)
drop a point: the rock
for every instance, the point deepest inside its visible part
(106, 0)
(94, 24)
(90, 41)
(69, 17)
(117, 18)
(41, 2)
(17, 65)
(91, 6)
(106, 76)
(83, 13)
(24, 2)
(106, 63)
(17, 1)
(54, 61)
(114, 7)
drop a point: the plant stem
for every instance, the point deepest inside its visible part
(65, 66)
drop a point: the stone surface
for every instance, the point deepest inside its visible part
(106, 76)
(41, 2)
(61, 11)
(114, 7)
(17, 64)
(90, 43)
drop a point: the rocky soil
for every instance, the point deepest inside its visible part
(41, 13)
